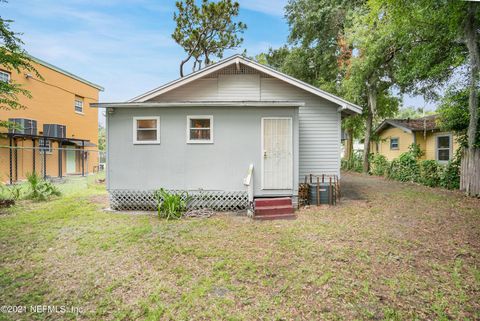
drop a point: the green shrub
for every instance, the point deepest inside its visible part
(415, 150)
(430, 172)
(378, 165)
(404, 169)
(407, 168)
(40, 189)
(355, 163)
(450, 176)
(171, 205)
(13, 192)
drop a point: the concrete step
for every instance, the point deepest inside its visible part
(260, 202)
(273, 210)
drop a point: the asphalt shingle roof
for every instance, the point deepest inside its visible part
(422, 123)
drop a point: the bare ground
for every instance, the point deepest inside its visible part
(389, 251)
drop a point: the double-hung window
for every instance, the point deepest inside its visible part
(4, 76)
(394, 143)
(444, 148)
(199, 129)
(146, 130)
(79, 105)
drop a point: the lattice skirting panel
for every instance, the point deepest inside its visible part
(127, 200)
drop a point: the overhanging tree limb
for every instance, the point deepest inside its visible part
(206, 30)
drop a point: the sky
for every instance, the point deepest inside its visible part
(125, 45)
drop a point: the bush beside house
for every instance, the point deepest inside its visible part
(409, 168)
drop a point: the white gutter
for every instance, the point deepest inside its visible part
(273, 103)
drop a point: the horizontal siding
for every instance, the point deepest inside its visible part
(319, 128)
(226, 87)
(319, 120)
(174, 164)
(203, 89)
(239, 87)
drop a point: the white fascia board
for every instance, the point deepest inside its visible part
(261, 68)
(262, 103)
(184, 80)
(302, 85)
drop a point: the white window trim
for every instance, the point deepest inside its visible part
(145, 142)
(450, 150)
(197, 141)
(398, 143)
(75, 106)
(8, 75)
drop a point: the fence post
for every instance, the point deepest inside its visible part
(44, 158)
(11, 161)
(83, 158)
(33, 156)
(470, 172)
(15, 155)
(60, 165)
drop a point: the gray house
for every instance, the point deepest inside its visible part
(233, 131)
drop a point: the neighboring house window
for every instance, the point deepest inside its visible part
(146, 130)
(4, 76)
(444, 145)
(394, 143)
(79, 105)
(45, 146)
(200, 129)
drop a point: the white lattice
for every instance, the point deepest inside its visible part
(233, 70)
(145, 200)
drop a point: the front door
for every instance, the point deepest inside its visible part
(277, 154)
(71, 161)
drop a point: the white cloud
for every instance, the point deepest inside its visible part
(271, 7)
(123, 45)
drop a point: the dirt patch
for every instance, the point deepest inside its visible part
(388, 251)
(100, 200)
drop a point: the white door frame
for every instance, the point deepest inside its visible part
(262, 150)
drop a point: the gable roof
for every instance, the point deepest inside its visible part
(237, 59)
(410, 125)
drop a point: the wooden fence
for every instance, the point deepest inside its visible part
(470, 172)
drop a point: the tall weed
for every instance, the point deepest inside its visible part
(171, 205)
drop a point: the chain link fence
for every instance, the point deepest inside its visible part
(16, 162)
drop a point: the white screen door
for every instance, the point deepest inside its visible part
(277, 153)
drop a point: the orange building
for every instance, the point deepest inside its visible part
(57, 133)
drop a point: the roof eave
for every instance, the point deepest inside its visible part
(262, 68)
(263, 103)
(381, 127)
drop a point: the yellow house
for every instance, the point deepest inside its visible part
(396, 135)
(57, 131)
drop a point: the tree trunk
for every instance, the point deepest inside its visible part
(469, 170)
(207, 59)
(182, 63)
(372, 105)
(471, 39)
(349, 144)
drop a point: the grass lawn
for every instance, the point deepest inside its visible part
(389, 251)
